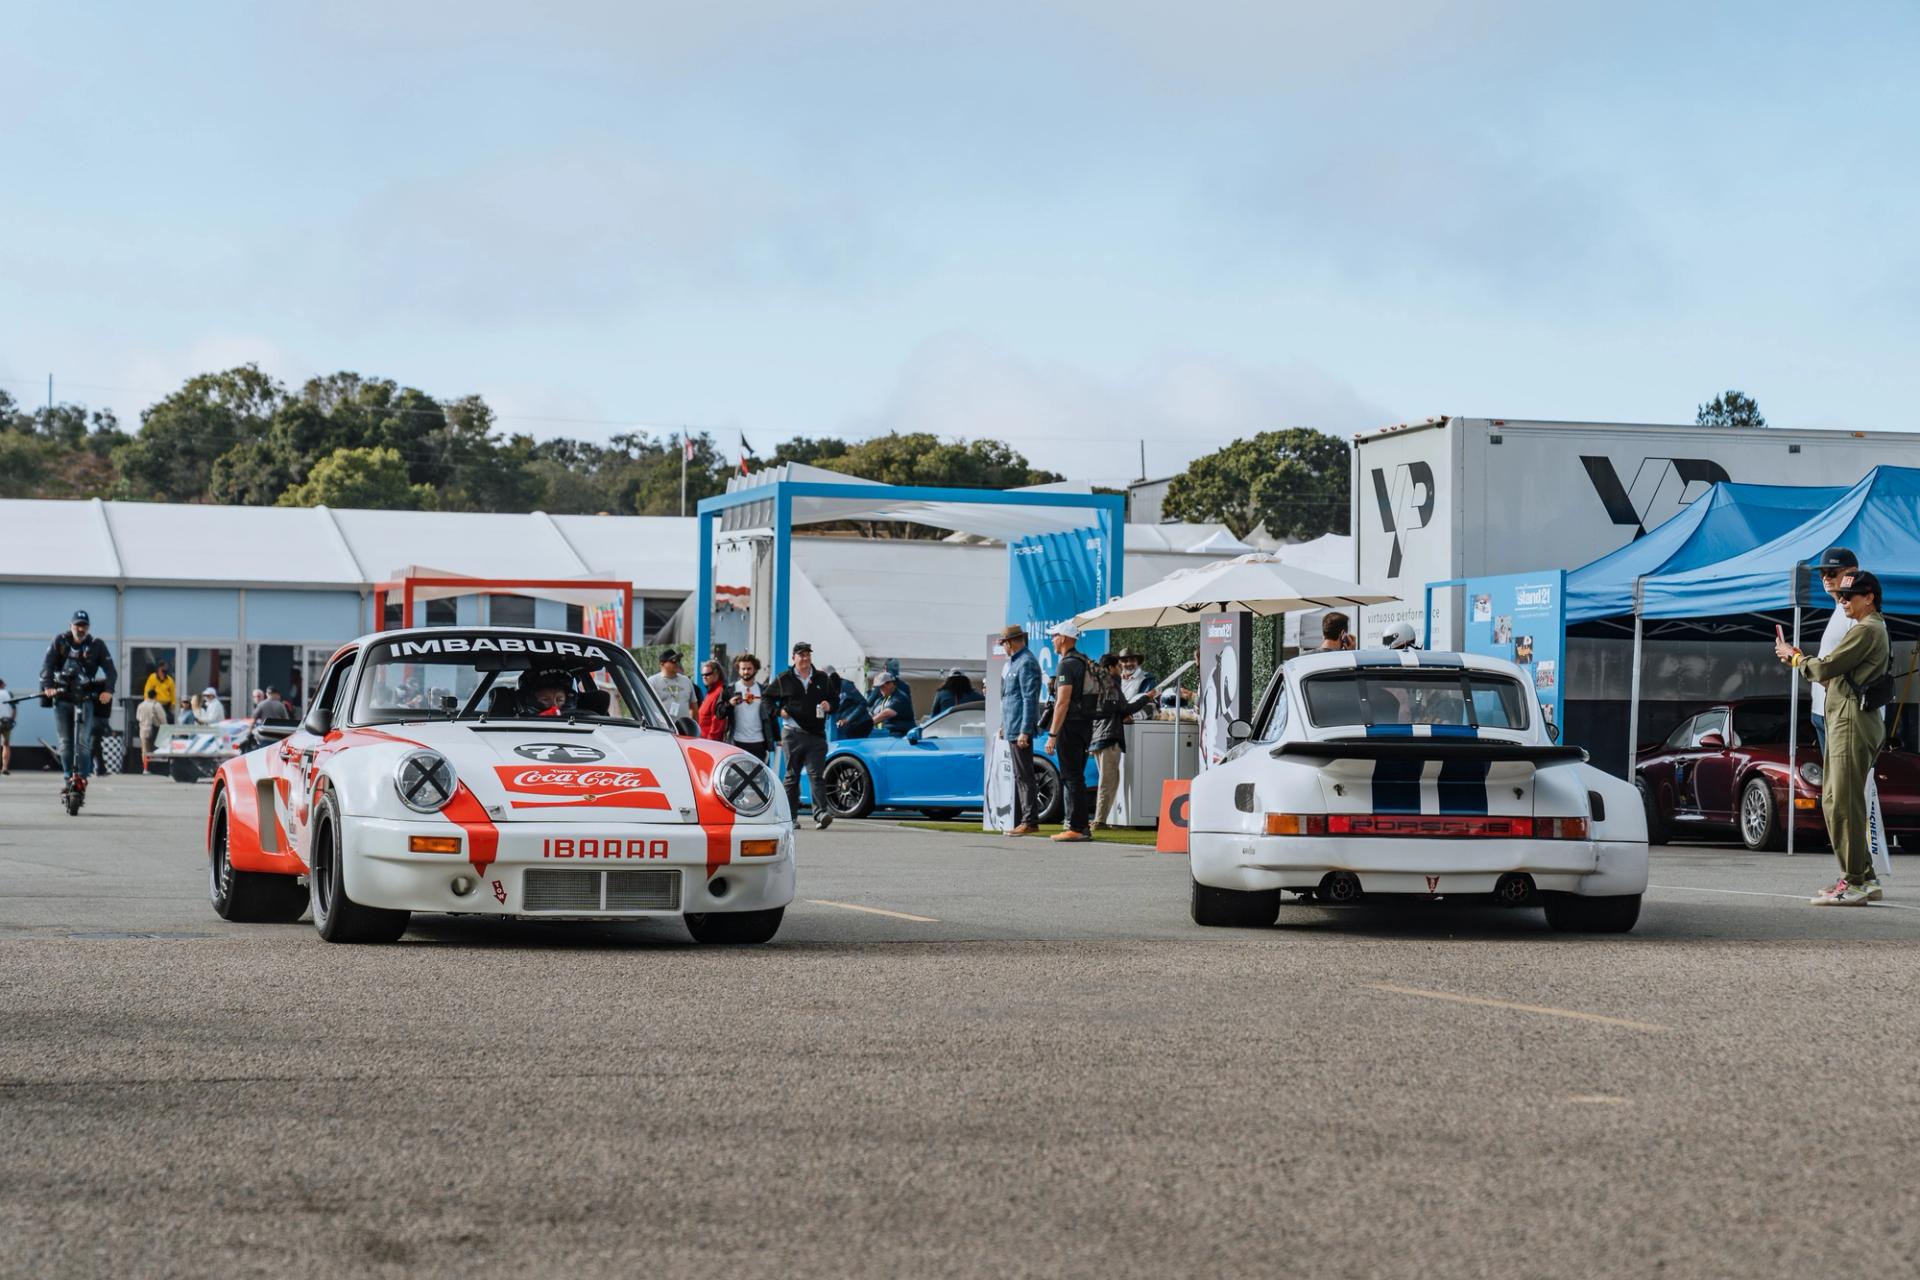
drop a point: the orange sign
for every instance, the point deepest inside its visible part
(1172, 836)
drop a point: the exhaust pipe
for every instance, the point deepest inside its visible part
(1341, 888)
(1514, 889)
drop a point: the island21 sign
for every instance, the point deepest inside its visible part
(1523, 617)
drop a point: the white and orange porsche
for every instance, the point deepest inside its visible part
(503, 772)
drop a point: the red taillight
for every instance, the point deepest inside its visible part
(1443, 826)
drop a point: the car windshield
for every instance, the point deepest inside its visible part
(1765, 724)
(481, 676)
(1367, 698)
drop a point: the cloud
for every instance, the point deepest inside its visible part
(1090, 427)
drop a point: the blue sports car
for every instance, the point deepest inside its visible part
(939, 768)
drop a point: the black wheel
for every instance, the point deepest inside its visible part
(942, 815)
(248, 897)
(337, 917)
(1759, 820)
(1046, 790)
(849, 788)
(1658, 830)
(734, 928)
(183, 770)
(73, 797)
(1570, 913)
(1234, 908)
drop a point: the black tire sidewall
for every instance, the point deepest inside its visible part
(219, 894)
(1050, 810)
(860, 808)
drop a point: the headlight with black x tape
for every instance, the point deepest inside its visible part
(425, 781)
(744, 785)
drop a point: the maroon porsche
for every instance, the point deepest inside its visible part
(1724, 771)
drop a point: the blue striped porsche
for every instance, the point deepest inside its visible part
(1412, 775)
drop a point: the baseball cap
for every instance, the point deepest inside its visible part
(80, 616)
(209, 692)
(801, 646)
(886, 677)
(670, 656)
(1837, 558)
(1066, 629)
(1863, 584)
(1128, 651)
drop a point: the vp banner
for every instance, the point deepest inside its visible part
(1050, 578)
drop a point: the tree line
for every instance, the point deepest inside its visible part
(241, 437)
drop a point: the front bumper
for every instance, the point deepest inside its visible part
(569, 863)
(1594, 868)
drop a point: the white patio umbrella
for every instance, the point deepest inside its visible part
(1260, 583)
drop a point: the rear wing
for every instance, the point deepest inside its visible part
(1433, 749)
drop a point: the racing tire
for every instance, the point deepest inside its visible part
(1759, 817)
(734, 928)
(849, 788)
(248, 897)
(1046, 790)
(1234, 908)
(336, 917)
(1658, 829)
(941, 815)
(1571, 913)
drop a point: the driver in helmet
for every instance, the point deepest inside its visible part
(546, 693)
(1400, 636)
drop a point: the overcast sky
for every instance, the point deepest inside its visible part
(1072, 225)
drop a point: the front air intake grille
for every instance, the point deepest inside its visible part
(643, 890)
(550, 889)
(553, 890)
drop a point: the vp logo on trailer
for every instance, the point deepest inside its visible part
(1405, 505)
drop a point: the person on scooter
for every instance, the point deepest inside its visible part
(78, 675)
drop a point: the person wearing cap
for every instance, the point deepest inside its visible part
(213, 710)
(1020, 685)
(893, 710)
(1854, 733)
(1836, 569)
(806, 696)
(673, 687)
(955, 691)
(1074, 698)
(76, 654)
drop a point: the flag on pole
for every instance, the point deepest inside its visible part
(686, 444)
(746, 451)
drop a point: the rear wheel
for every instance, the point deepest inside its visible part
(1759, 822)
(1046, 790)
(336, 917)
(734, 928)
(849, 788)
(1658, 831)
(1234, 908)
(248, 897)
(1570, 913)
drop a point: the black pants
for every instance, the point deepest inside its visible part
(1026, 800)
(1070, 750)
(758, 750)
(805, 751)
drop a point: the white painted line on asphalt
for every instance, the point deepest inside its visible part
(1789, 897)
(854, 906)
(1546, 1010)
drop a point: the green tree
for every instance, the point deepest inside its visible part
(809, 451)
(920, 458)
(375, 478)
(181, 436)
(1734, 409)
(1294, 483)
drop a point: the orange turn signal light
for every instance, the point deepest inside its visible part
(433, 844)
(1296, 824)
(759, 848)
(1804, 802)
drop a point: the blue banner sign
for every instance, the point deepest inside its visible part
(1050, 578)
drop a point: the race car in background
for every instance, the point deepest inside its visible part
(1724, 771)
(496, 772)
(1378, 773)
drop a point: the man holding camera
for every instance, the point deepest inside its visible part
(77, 678)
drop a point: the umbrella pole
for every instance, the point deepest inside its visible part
(1633, 703)
(1793, 732)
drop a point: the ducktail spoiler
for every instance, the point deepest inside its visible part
(1432, 749)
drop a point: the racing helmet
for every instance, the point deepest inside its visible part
(1399, 636)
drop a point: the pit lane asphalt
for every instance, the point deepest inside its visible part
(1053, 1074)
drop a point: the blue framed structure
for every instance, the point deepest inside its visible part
(865, 500)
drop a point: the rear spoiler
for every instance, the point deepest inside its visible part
(1432, 749)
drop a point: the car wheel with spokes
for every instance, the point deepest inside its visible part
(1759, 822)
(1046, 790)
(849, 788)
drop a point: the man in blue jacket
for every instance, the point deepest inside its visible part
(1020, 689)
(78, 675)
(893, 711)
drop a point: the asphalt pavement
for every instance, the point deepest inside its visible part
(963, 1055)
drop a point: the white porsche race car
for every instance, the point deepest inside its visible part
(1424, 775)
(503, 772)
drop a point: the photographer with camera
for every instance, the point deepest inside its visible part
(76, 678)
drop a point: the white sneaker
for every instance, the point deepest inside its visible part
(1872, 885)
(1851, 895)
(1827, 896)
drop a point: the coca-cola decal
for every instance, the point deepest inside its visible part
(564, 786)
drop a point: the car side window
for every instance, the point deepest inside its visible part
(963, 722)
(1270, 721)
(1682, 735)
(1709, 722)
(333, 690)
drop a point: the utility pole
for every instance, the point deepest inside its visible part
(49, 396)
(685, 448)
(1143, 459)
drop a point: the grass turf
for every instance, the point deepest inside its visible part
(1115, 835)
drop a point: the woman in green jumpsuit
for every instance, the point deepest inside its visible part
(1854, 735)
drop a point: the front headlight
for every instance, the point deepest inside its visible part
(1812, 774)
(744, 785)
(425, 781)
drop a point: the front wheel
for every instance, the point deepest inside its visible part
(1759, 823)
(849, 788)
(734, 928)
(1046, 790)
(336, 917)
(73, 797)
(248, 897)
(1570, 913)
(1234, 908)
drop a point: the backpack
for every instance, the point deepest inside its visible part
(1098, 697)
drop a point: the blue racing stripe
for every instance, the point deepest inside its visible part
(1389, 731)
(1396, 786)
(1455, 731)
(1463, 786)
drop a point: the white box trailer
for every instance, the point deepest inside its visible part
(1460, 497)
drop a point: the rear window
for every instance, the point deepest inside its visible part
(1412, 695)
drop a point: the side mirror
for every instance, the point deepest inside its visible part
(1553, 732)
(685, 727)
(1713, 740)
(319, 721)
(913, 734)
(1239, 731)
